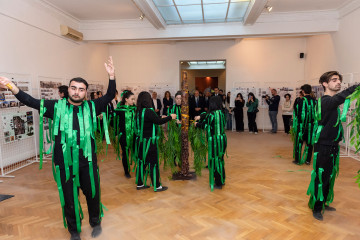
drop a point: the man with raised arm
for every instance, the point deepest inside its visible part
(74, 153)
(327, 135)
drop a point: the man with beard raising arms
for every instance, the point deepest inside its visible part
(74, 154)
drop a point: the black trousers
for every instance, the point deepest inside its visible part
(150, 163)
(252, 121)
(217, 175)
(326, 160)
(212, 162)
(301, 142)
(85, 185)
(125, 157)
(286, 120)
(239, 120)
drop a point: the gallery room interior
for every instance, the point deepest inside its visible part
(253, 88)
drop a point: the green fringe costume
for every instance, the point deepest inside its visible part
(71, 146)
(303, 124)
(124, 121)
(146, 150)
(328, 132)
(214, 125)
(74, 162)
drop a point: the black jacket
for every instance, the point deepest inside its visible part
(273, 103)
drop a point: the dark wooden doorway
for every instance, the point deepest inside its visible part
(201, 83)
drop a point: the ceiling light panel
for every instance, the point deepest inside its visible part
(187, 2)
(169, 13)
(202, 11)
(238, 9)
(190, 12)
(163, 2)
(215, 11)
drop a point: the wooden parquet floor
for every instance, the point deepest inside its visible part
(264, 198)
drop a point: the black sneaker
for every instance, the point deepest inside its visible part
(75, 236)
(307, 163)
(141, 187)
(295, 162)
(330, 209)
(218, 186)
(127, 175)
(163, 188)
(96, 231)
(318, 215)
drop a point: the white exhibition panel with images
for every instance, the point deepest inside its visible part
(18, 128)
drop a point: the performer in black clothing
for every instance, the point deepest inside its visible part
(74, 155)
(176, 108)
(328, 134)
(146, 142)
(124, 125)
(214, 124)
(168, 102)
(239, 112)
(305, 126)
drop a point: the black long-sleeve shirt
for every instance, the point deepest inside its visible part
(150, 118)
(100, 105)
(329, 116)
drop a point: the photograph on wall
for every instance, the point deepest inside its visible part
(17, 126)
(49, 90)
(7, 99)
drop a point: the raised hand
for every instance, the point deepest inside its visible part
(6, 83)
(109, 66)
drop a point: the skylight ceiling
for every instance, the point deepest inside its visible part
(201, 11)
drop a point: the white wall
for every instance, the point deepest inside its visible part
(320, 57)
(250, 60)
(337, 51)
(346, 42)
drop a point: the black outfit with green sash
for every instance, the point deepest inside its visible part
(147, 129)
(124, 125)
(175, 109)
(214, 124)
(74, 153)
(327, 135)
(305, 119)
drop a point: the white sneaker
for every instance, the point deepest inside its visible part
(256, 132)
(250, 132)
